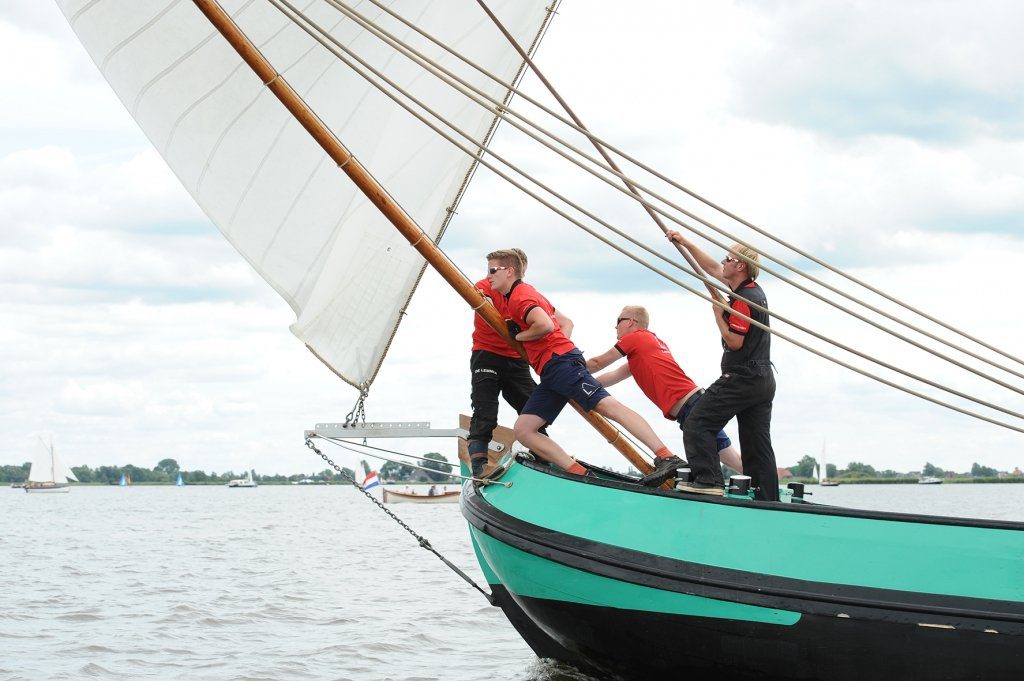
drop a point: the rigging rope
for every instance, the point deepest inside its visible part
(346, 445)
(639, 164)
(632, 190)
(590, 231)
(423, 542)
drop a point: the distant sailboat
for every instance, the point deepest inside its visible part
(126, 480)
(180, 482)
(823, 470)
(49, 473)
(245, 481)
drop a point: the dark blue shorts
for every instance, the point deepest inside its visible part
(565, 377)
(722, 440)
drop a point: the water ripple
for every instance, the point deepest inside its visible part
(287, 583)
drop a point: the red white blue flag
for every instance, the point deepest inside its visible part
(371, 480)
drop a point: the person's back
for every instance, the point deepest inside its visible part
(655, 370)
(756, 348)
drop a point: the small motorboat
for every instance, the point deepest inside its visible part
(433, 496)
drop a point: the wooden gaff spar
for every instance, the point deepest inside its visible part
(417, 238)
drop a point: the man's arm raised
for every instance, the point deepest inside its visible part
(711, 266)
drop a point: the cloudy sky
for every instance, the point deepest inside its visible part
(888, 140)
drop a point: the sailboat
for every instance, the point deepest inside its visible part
(823, 471)
(245, 481)
(179, 482)
(126, 480)
(48, 473)
(596, 572)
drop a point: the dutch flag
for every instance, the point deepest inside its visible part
(371, 481)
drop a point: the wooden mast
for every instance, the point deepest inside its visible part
(419, 239)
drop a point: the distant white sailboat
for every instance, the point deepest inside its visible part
(49, 473)
(126, 480)
(245, 481)
(823, 470)
(179, 482)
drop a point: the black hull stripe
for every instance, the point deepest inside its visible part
(640, 645)
(668, 574)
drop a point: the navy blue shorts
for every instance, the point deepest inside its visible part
(722, 440)
(565, 377)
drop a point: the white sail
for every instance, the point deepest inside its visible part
(261, 179)
(47, 466)
(42, 463)
(822, 467)
(61, 470)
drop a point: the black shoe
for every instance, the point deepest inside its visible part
(694, 487)
(665, 469)
(477, 463)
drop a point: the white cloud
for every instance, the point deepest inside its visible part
(931, 70)
(134, 332)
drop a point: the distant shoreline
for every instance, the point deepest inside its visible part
(907, 481)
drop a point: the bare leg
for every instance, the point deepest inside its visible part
(731, 457)
(635, 424)
(526, 431)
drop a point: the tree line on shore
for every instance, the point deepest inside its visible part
(807, 468)
(167, 470)
(434, 468)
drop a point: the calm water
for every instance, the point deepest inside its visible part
(282, 583)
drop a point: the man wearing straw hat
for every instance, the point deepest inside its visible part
(747, 386)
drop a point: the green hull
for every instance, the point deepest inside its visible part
(577, 558)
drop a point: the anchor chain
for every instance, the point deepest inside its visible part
(421, 540)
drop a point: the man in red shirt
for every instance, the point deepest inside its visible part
(497, 369)
(560, 364)
(655, 370)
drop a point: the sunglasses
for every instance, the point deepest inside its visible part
(729, 258)
(623, 319)
(492, 270)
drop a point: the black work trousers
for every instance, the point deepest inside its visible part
(746, 393)
(493, 375)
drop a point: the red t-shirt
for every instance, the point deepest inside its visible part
(655, 370)
(484, 337)
(520, 301)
